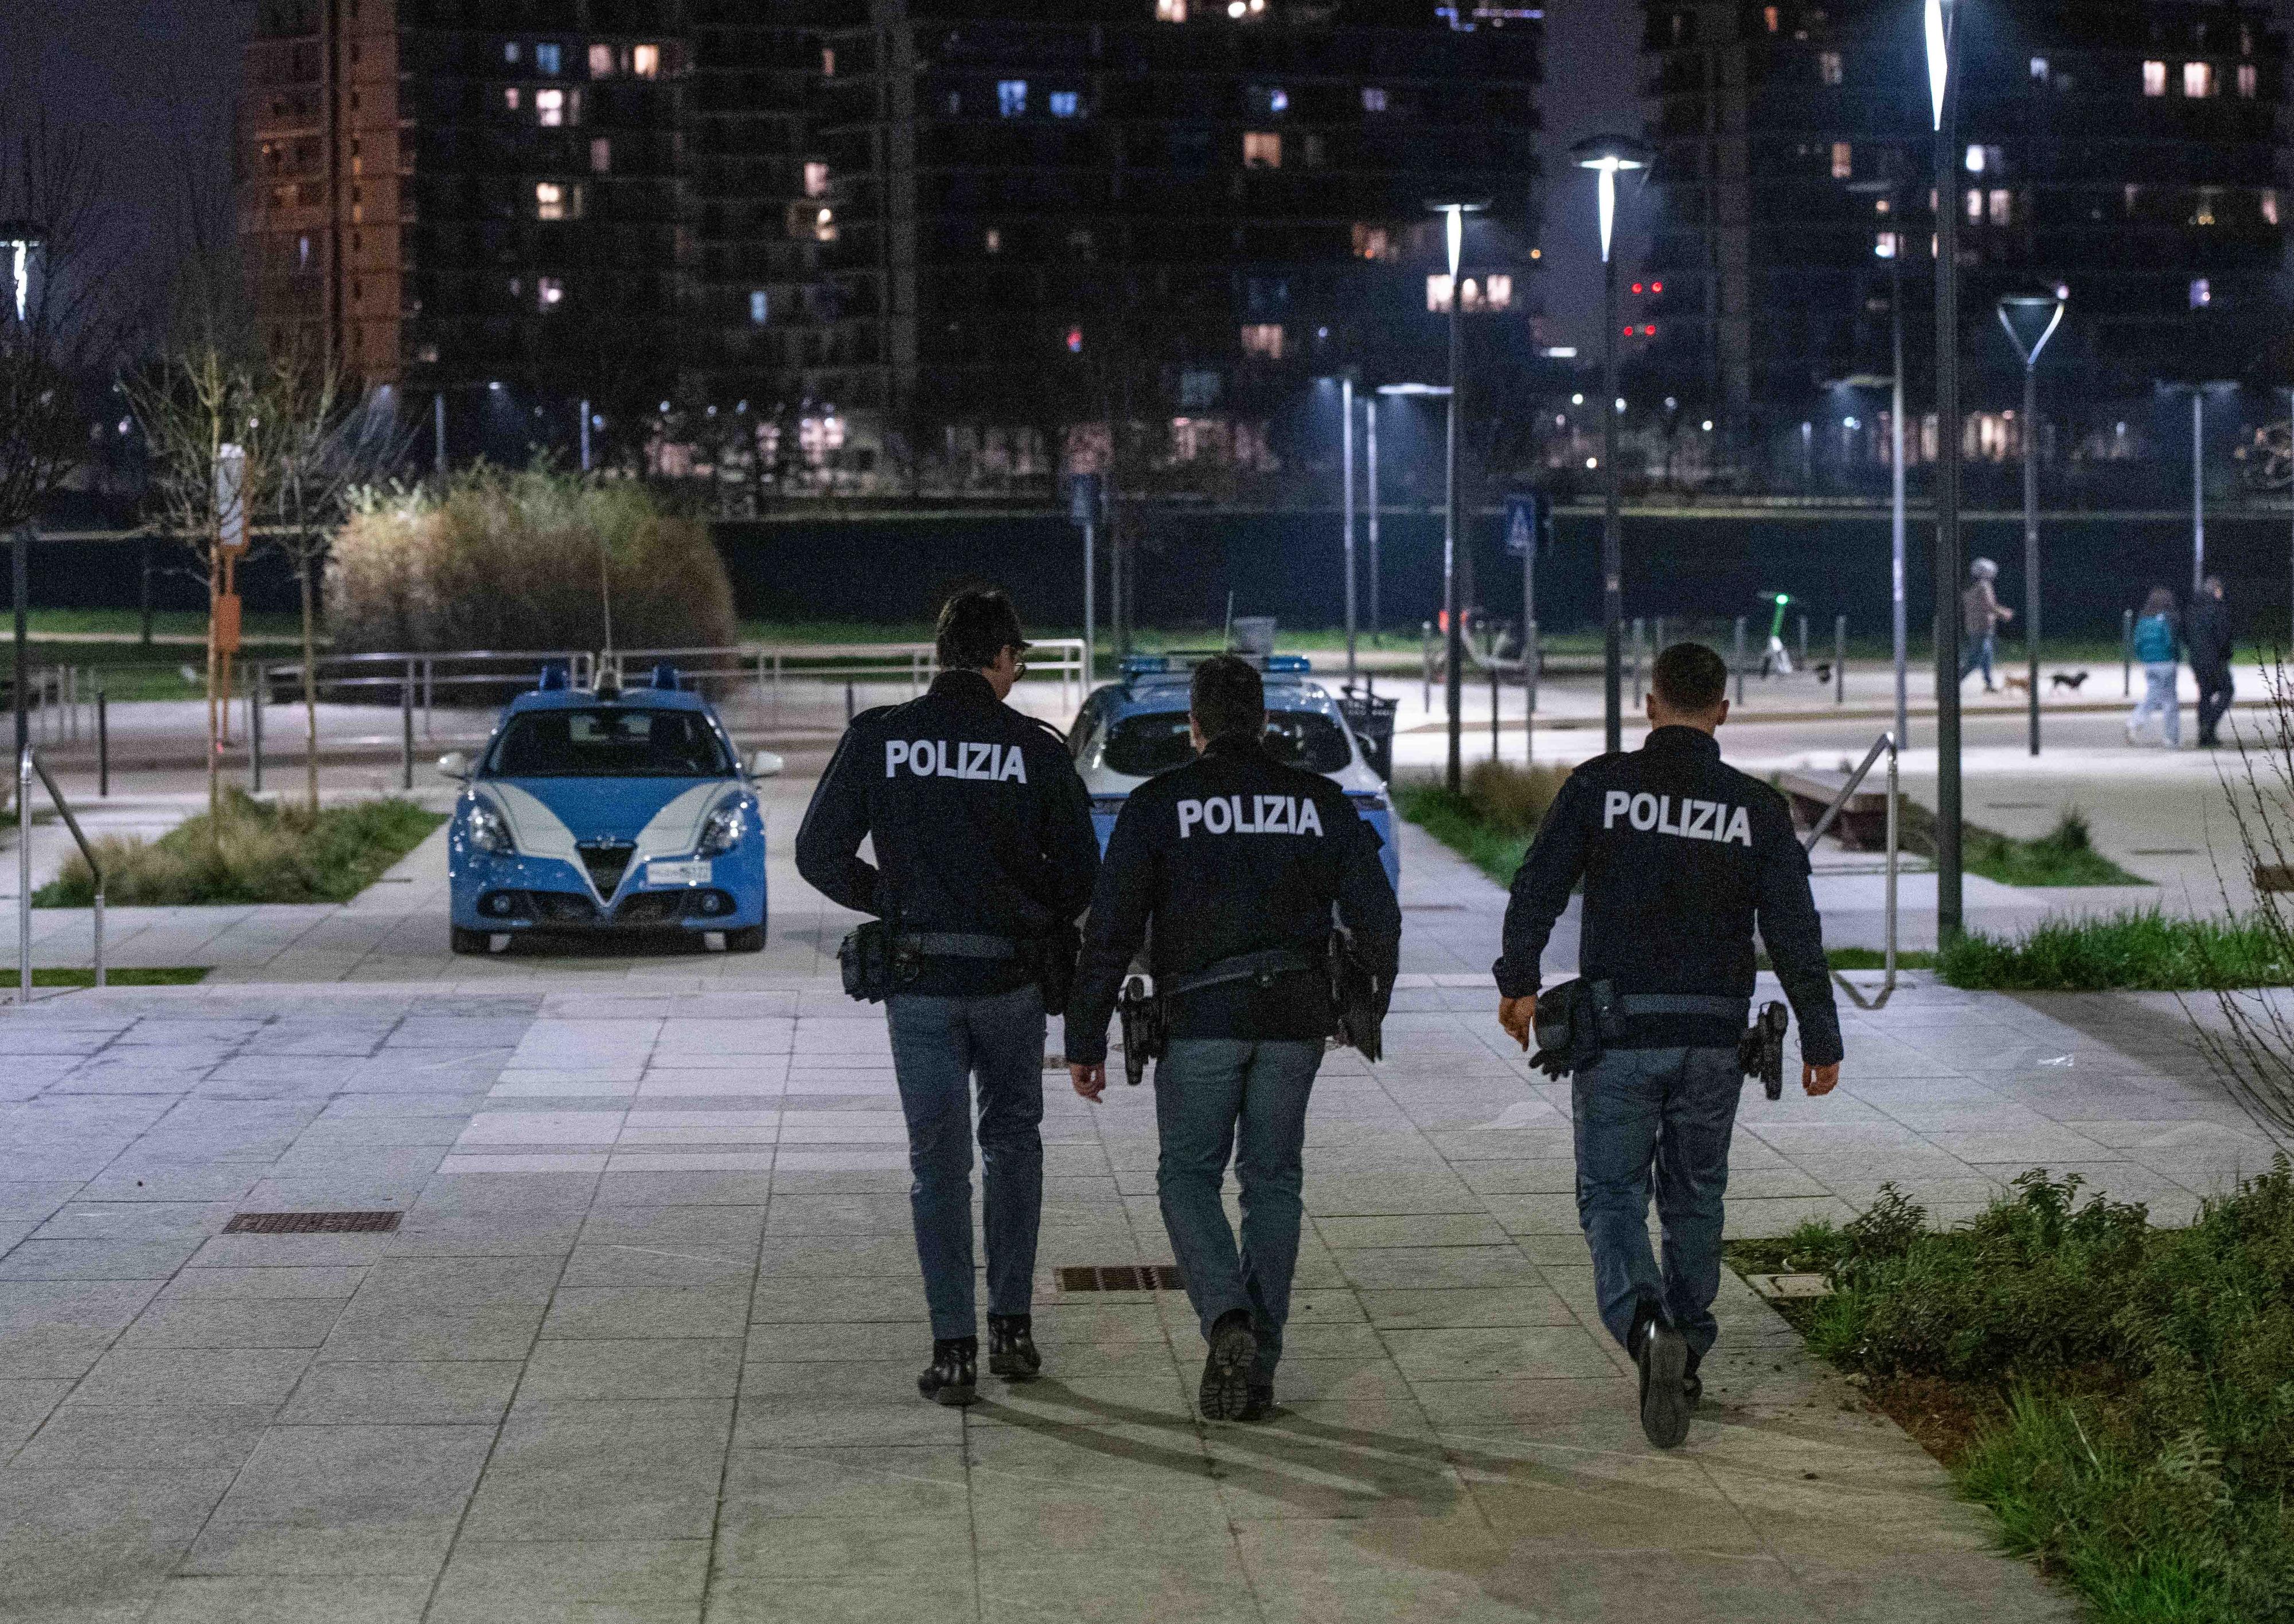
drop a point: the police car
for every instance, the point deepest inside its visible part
(607, 810)
(1133, 729)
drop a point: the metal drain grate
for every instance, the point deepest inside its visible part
(1122, 1277)
(311, 1224)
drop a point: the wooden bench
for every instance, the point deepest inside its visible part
(1862, 824)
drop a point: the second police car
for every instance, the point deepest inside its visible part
(1134, 728)
(613, 809)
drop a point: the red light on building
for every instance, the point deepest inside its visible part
(1656, 287)
(1637, 286)
(1649, 331)
(1074, 341)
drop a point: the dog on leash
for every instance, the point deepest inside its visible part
(2073, 680)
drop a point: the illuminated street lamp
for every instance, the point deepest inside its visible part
(1608, 156)
(1943, 95)
(2031, 320)
(1454, 211)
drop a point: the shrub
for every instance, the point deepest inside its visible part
(255, 853)
(1491, 823)
(1513, 800)
(2147, 950)
(515, 560)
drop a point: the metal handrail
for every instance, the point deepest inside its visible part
(1886, 742)
(28, 765)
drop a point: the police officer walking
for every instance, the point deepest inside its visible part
(1236, 861)
(985, 856)
(1680, 858)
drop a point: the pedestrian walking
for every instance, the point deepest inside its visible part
(1982, 615)
(2211, 644)
(1680, 857)
(985, 856)
(1231, 866)
(2157, 639)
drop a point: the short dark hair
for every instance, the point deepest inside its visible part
(1691, 679)
(975, 628)
(1228, 696)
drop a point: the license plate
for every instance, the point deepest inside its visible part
(678, 874)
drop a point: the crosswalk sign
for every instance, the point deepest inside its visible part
(1529, 523)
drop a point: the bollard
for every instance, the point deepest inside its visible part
(1804, 642)
(1840, 659)
(1659, 644)
(1493, 709)
(1640, 631)
(406, 729)
(2126, 654)
(1739, 660)
(103, 745)
(1529, 698)
(848, 704)
(260, 680)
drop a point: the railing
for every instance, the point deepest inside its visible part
(27, 765)
(1885, 743)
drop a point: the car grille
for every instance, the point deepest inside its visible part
(564, 908)
(607, 861)
(651, 908)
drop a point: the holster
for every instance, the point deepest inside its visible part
(1146, 1026)
(866, 958)
(1760, 1051)
(1358, 997)
(1576, 1022)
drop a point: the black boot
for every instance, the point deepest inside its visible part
(1012, 1347)
(1224, 1393)
(1662, 1355)
(953, 1377)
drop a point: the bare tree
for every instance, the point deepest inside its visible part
(326, 446)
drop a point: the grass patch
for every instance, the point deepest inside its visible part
(2144, 951)
(2063, 856)
(1864, 958)
(166, 975)
(2122, 1397)
(1492, 822)
(258, 853)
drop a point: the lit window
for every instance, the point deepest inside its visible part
(2133, 198)
(601, 156)
(1261, 149)
(2154, 78)
(2003, 207)
(824, 225)
(1065, 103)
(828, 62)
(1278, 100)
(1769, 16)
(1373, 98)
(1975, 160)
(1497, 292)
(557, 201)
(1470, 289)
(815, 179)
(1011, 97)
(550, 107)
(1171, 11)
(1828, 67)
(2202, 293)
(549, 293)
(510, 53)
(1262, 338)
(1884, 246)
(2198, 79)
(992, 240)
(1975, 208)
(511, 98)
(546, 58)
(2269, 207)
(2248, 81)
(1843, 160)
(644, 62)
(1373, 242)
(761, 308)
(601, 62)
(2204, 213)
(2039, 69)
(1437, 293)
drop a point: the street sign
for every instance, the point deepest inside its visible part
(1083, 498)
(231, 498)
(1529, 523)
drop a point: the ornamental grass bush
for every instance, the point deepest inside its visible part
(522, 559)
(1492, 822)
(256, 852)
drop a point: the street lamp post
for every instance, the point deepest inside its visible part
(1607, 156)
(22, 241)
(1346, 503)
(2198, 491)
(1892, 251)
(1453, 212)
(1369, 450)
(2031, 320)
(1943, 91)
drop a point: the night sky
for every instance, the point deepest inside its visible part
(151, 82)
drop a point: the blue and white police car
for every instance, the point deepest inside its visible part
(607, 810)
(1136, 727)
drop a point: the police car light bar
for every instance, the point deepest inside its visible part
(1181, 661)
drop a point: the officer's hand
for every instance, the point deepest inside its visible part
(1819, 1079)
(1518, 1017)
(1090, 1081)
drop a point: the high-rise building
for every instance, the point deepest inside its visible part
(895, 231)
(2124, 151)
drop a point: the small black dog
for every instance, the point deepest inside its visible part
(2073, 680)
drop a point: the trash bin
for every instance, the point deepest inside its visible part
(1372, 717)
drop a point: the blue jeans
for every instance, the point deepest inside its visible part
(1205, 1090)
(1672, 1111)
(1979, 652)
(938, 1045)
(2161, 699)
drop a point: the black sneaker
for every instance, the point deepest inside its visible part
(1662, 1353)
(1225, 1394)
(953, 1377)
(1012, 1347)
(1260, 1405)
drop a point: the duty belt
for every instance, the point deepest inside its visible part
(1264, 967)
(958, 945)
(1633, 1004)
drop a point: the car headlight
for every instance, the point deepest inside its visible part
(489, 830)
(722, 830)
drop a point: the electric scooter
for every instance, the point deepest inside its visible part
(1777, 660)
